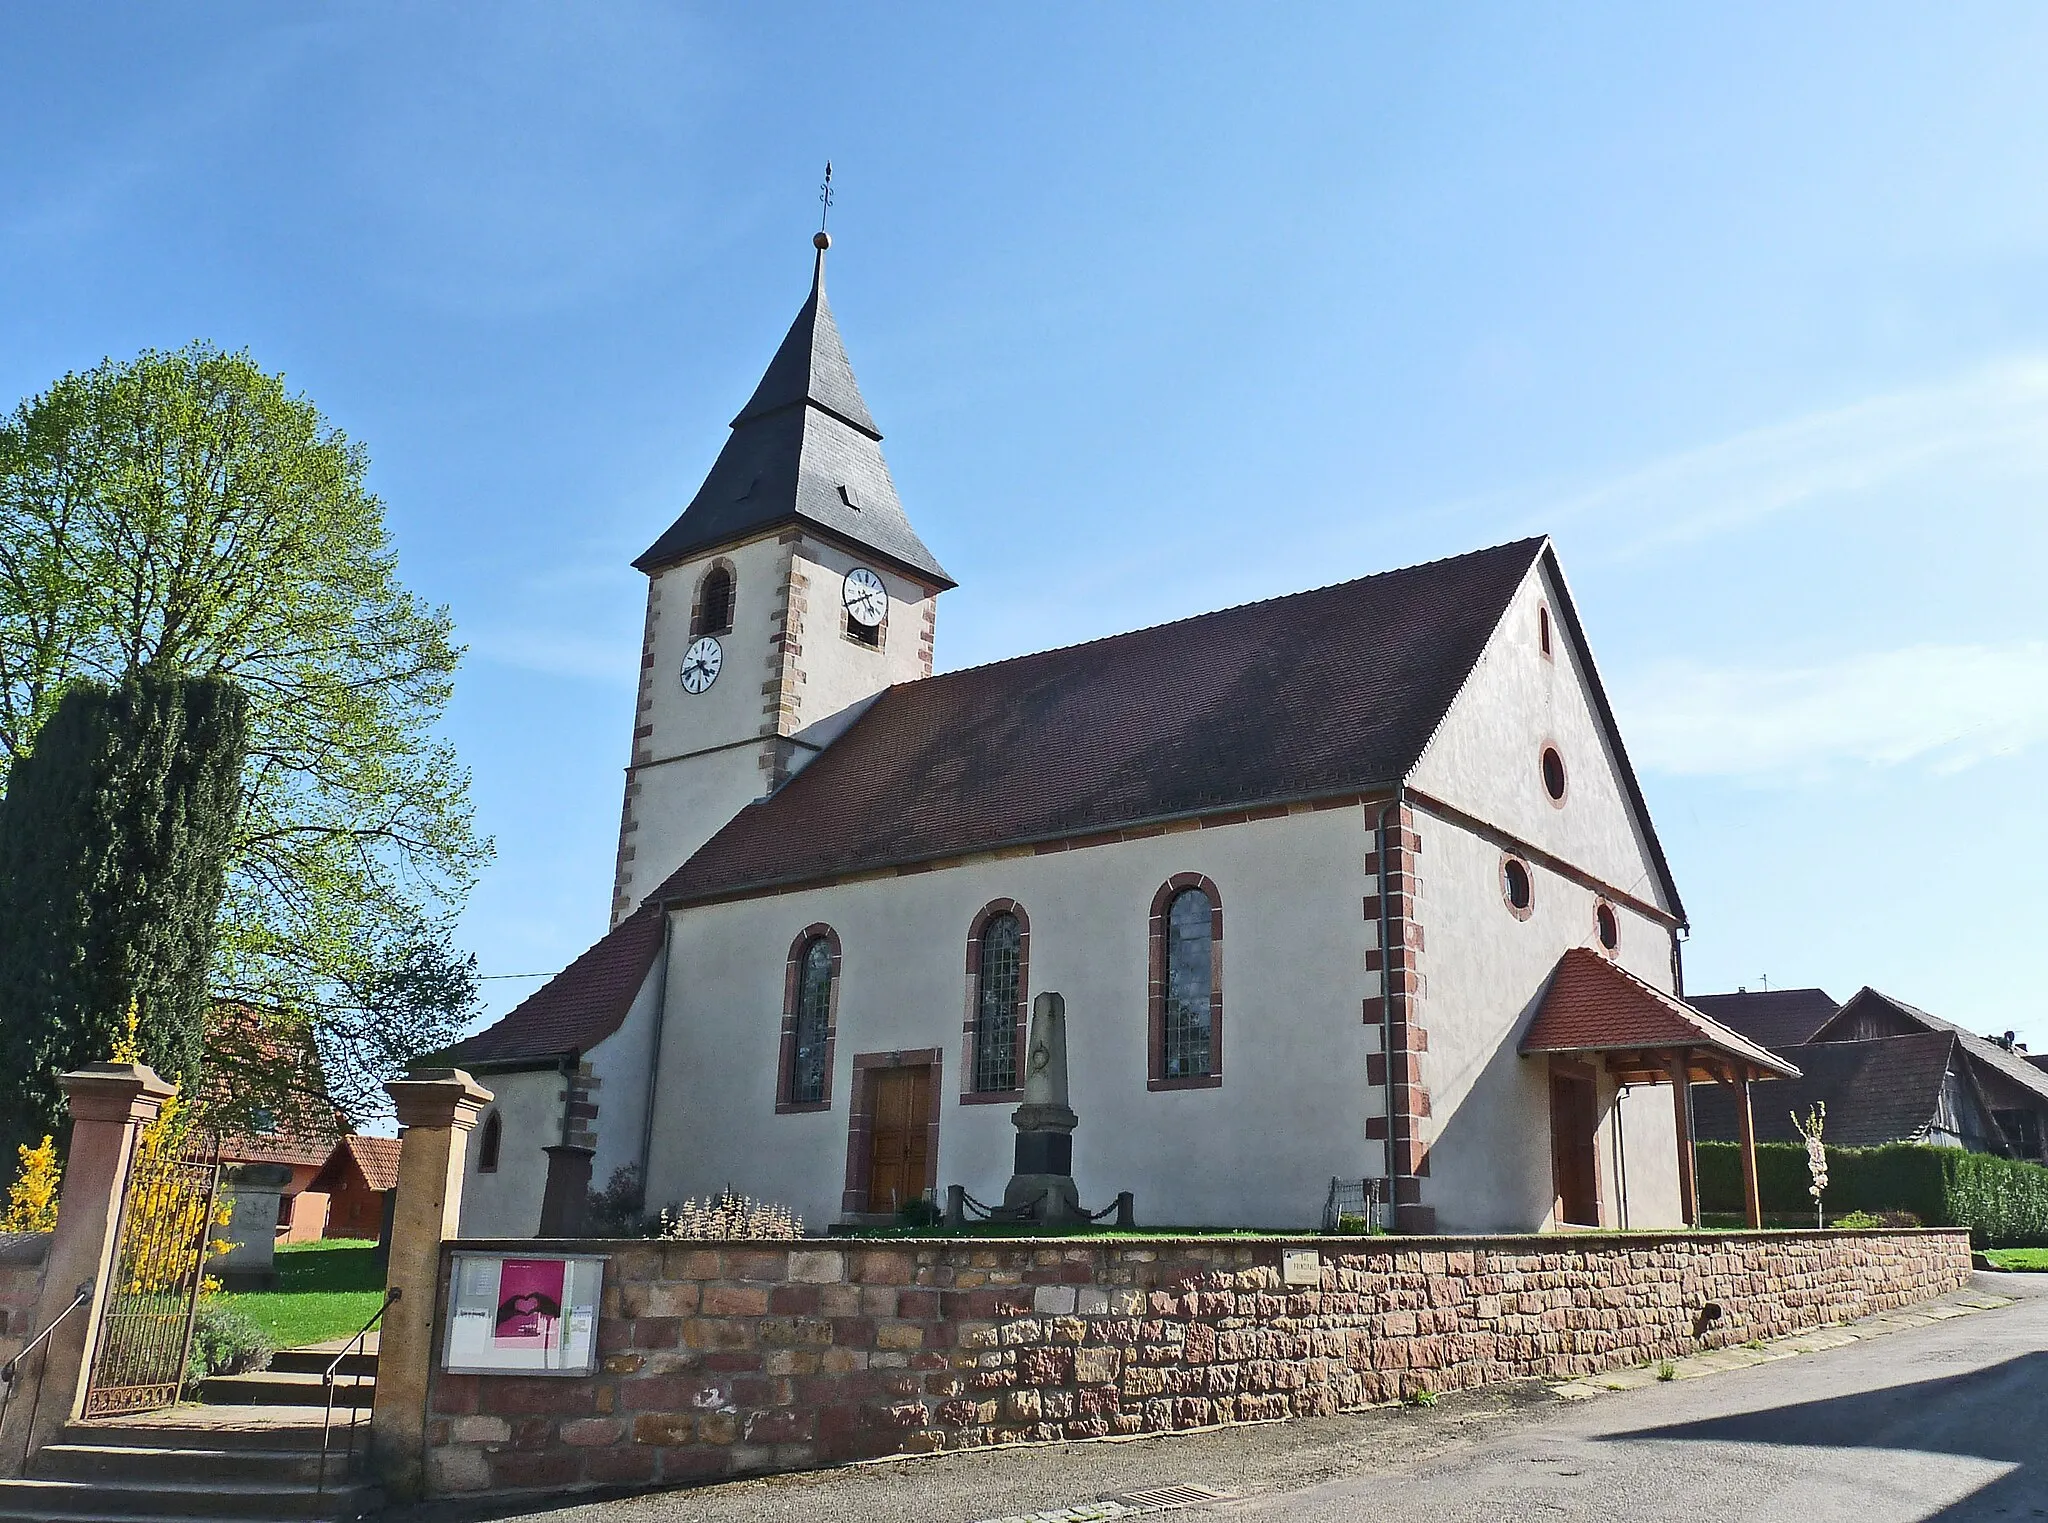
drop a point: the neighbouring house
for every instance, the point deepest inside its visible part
(1888, 1072)
(301, 1209)
(1354, 884)
(356, 1177)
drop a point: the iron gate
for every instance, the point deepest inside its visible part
(168, 1212)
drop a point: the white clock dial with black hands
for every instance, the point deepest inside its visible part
(700, 665)
(867, 601)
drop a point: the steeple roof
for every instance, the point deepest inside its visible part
(803, 449)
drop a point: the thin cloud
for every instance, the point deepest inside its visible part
(1940, 707)
(1988, 424)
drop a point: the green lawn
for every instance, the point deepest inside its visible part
(324, 1290)
(2019, 1258)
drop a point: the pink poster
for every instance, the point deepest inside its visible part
(529, 1302)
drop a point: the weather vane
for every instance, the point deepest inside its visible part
(825, 195)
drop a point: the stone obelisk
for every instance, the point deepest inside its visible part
(1044, 1181)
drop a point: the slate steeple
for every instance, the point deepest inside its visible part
(803, 449)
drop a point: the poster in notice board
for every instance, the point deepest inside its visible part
(523, 1314)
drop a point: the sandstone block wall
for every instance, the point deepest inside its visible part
(737, 1359)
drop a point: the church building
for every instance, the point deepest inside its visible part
(1351, 885)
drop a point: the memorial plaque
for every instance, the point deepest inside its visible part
(1301, 1267)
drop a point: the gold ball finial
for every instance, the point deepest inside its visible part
(821, 240)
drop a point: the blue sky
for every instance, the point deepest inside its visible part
(1162, 308)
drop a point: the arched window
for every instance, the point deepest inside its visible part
(1543, 629)
(489, 1139)
(998, 994)
(714, 603)
(1187, 984)
(810, 1000)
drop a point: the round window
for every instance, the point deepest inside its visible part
(1516, 885)
(1553, 774)
(1608, 927)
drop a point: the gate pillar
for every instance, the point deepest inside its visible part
(110, 1103)
(438, 1108)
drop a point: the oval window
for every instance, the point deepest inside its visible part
(1516, 885)
(1608, 926)
(1553, 774)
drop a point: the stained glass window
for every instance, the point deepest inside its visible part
(813, 1022)
(1190, 982)
(995, 1008)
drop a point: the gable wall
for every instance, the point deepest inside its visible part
(1260, 1149)
(1484, 759)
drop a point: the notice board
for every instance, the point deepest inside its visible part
(522, 1314)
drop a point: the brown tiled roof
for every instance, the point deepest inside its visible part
(580, 1006)
(1313, 695)
(1884, 1090)
(1773, 1018)
(376, 1157)
(1592, 1005)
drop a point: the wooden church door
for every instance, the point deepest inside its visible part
(1574, 1129)
(899, 1148)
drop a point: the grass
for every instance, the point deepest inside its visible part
(324, 1290)
(2035, 1259)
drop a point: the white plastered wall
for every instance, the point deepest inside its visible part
(620, 1065)
(1485, 757)
(1259, 1150)
(1490, 1159)
(506, 1202)
(1484, 970)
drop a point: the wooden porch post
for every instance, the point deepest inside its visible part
(1745, 1121)
(1680, 1069)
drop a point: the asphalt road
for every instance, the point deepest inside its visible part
(1948, 1421)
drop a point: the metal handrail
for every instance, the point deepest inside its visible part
(81, 1297)
(327, 1380)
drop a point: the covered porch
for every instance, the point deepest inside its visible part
(1597, 1019)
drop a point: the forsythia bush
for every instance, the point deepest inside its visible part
(32, 1198)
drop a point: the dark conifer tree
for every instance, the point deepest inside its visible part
(114, 836)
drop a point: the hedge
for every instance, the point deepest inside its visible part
(2002, 1201)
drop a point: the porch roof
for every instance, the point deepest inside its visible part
(1594, 1007)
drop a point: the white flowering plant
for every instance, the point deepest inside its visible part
(1816, 1156)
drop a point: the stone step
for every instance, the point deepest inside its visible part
(185, 1500)
(283, 1388)
(195, 1461)
(193, 1427)
(311, 1361)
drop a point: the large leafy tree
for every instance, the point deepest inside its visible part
(182, 512)
(114, 837)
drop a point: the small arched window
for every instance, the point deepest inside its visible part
(489, 1139)
(998, 990)
(1607, 925)
(714, 604)
(1187, 1049)
(1517, 887)
(1543, 629)
(813, 1033)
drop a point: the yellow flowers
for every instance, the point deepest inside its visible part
(32, 1198)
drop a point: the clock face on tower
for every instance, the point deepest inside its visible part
(700, 665)
(867, 601)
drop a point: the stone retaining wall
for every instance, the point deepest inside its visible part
(747, 1358)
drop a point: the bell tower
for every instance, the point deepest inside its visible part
(791, 591)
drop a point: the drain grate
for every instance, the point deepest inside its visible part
(1161, 1498)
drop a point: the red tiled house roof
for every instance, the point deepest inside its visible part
(376, 1157)
(580, 1006)
(1593, 1005)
